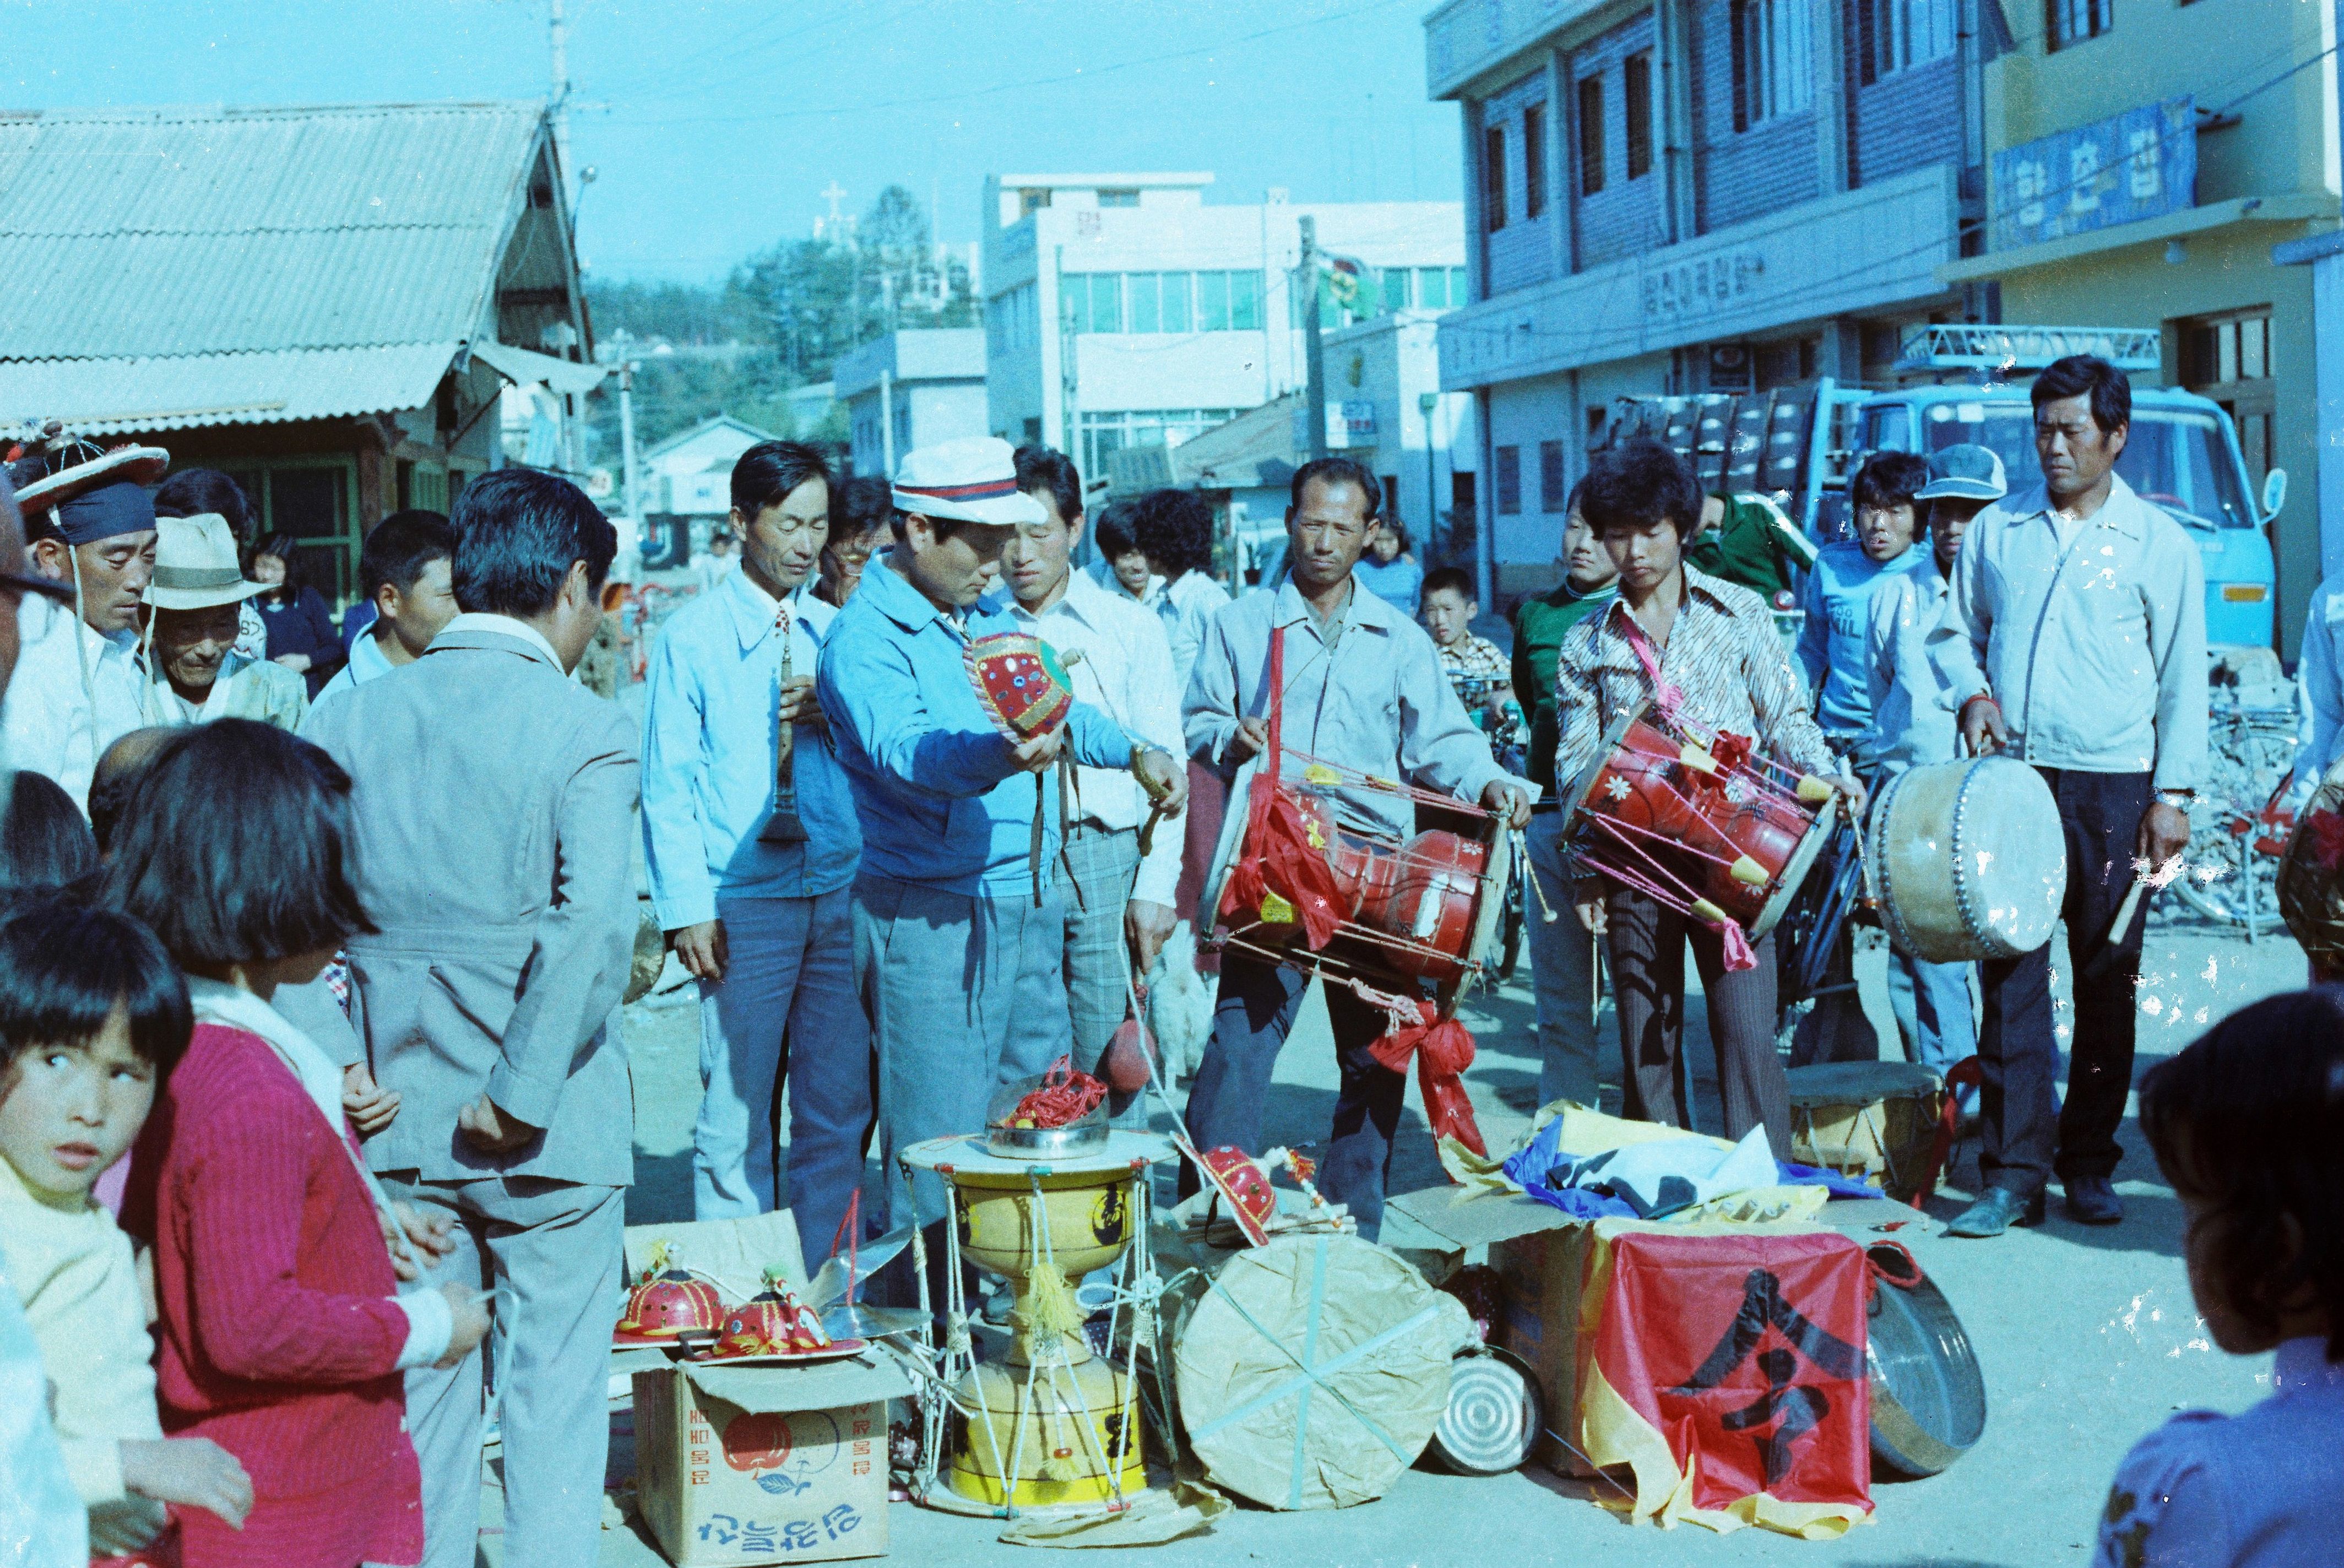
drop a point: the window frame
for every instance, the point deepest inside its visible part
(1590, 134)
(1554, 484)
(2098, 18)
(1493, 178)
(1508, 460)
(1774, 60)
(1533, 162)
(1636, 112)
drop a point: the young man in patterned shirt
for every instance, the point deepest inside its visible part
(1476, 669)
(1677, 635)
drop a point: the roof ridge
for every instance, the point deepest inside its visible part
(159, 112)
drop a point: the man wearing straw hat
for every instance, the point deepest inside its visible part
(80, 683)
(194, 674)
(959, 940)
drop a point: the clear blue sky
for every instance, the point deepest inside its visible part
(713, 127)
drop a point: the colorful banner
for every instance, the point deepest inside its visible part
(2138, 165)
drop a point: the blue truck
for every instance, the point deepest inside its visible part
(1969, 383)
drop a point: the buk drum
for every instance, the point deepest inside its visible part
(2311, 879)
(1874, 1121)
(1699, 822)
(1966, 860)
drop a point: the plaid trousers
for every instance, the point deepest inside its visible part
(1094, 874)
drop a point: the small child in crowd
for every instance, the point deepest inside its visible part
(1475, 666)
(92, 1017)
(282, 1334)
(2247, 1124)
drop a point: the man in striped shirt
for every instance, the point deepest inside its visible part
(1678, 637)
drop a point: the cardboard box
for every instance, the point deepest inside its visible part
(765, 1464)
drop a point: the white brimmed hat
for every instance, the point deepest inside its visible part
(196, 565)
(972, 479)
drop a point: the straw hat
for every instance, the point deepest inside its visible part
(972, 479)
(195, 564)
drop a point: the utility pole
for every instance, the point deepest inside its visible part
(627, 453)
(559, 28)
(1067, 385)
(1315, 368)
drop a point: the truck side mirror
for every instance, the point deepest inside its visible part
(2274, 493)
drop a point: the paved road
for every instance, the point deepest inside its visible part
(2087, 1336)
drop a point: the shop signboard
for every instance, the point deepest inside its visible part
(2138, 165)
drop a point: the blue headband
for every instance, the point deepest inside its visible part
(106, 512)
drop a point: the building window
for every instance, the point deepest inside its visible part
(315, 501)
(2073, 21)
(1163, 301)
(1638, 94)
(1534, 160)
(1391, 496)
(1509, 479)
(1552, 492)
(1591, 134)
(1493, 175)
(1104, 434)
(1031, 200)
(1118, 198)
(1898, 34)
(2228, 360)
(1774, 59)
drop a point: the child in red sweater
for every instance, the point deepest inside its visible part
(282, 1335)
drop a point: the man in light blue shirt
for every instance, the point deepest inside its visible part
(407, 575)
(762, 915)
(957, 959)
(1837, 598)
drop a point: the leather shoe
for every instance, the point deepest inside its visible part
(1997, 1210)
(2093, 1200)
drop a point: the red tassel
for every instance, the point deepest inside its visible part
(1281, 859)
(1738, 953)
(1443, 1049)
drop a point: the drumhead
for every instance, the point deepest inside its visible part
(1860, 1083)
(1584, 784)
(1795, 871)
(1490, 898)
(1225, 854)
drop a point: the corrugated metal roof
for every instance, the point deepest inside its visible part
(135, 234)
(116, 396)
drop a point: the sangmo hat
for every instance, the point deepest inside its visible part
(196, 565)
(972, 479)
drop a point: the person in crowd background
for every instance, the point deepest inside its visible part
(1746, 538)
(195, 677)
(2248, 1125)
(1364, 691)
(1562, 951)
(1713, 645)
(762, 915)
(81, 684)
(1118, 564)
(859, 510)
(712, 565)
(1174, 531)
(192, 493)
(1478, 670)
(1119, 902)
(406, 576)
(959, 934)
(485, 1001)
(281, 1324)
(45, 842)
(1389, 569)
(92, 1017)
(1837, 600)
(117, 773)
(1913, 726)
(302, 635)
(2098, 679)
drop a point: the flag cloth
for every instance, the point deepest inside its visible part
(1347, 283)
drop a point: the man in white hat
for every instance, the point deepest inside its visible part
(957, 960)
(197, 594)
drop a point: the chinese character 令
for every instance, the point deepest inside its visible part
(2084, 177)
(839, 1520)
(1800, 1409)
(2029, 180)
(2143, 175)
(721, 1528)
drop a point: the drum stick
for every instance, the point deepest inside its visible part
(2118, 929)
(1522, 851)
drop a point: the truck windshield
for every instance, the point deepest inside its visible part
(2174, 457)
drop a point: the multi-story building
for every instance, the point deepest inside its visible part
(911, 389)
(2146, 160)
(1687, 196)
(1123, 311)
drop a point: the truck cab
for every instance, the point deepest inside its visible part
(2182, 454)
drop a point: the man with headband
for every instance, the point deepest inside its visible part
(80, 679)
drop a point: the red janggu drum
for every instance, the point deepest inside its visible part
(1705, 827)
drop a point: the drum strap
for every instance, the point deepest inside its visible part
(1667, 695)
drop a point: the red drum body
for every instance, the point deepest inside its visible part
(1702, 826)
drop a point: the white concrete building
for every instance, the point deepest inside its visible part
(911, 389)
(690, 474)
(1123, 311)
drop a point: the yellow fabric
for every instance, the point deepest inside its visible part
(71, 1266)
(1612, 1433)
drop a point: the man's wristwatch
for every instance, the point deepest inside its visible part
(2179, 800)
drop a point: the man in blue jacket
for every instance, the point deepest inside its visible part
(957, 961)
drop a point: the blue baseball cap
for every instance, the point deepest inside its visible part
(1964, 473)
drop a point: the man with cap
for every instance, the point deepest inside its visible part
(81, 681)
(1913, 726)
(197, 594)
(959, 934)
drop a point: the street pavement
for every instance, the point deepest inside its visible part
(2086, 1335)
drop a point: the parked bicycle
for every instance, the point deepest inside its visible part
(2239, 824)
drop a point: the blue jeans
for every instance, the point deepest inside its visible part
(1934, 1016)
(1563, 971)
(785, 1009)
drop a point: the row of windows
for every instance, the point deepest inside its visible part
(1011, 320)
(1104, 433)
(1554, 491)
(1636, 127)
(1164, 302)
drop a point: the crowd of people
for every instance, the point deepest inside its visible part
(313, 938)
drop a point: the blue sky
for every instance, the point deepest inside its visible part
(714, 126)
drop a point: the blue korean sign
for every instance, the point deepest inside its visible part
(2138, 165)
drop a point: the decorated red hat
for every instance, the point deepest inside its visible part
(1020, 684)
(668, 1302)
(1245, 1185)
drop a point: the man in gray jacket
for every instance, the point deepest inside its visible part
(2073, 639)
(494, 808)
